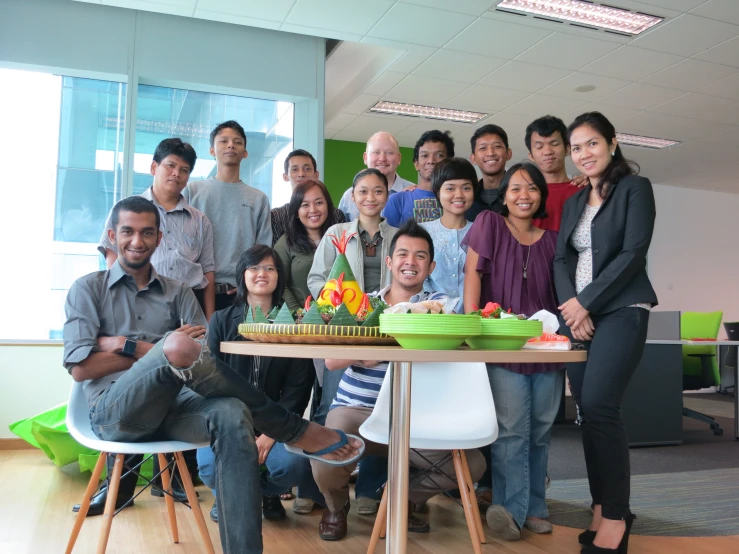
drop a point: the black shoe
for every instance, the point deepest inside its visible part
(586, 537)
(272, 508)
(623, 546)
(214, 511)
(97, 503)
(178, 491)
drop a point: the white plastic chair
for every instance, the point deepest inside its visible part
(452, 408)
(78, 424)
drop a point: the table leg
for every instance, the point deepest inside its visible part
(397, 513)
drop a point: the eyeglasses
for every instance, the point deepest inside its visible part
(257, 268)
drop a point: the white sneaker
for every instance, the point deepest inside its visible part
(367, 506)
(501, 522)
(303, 505)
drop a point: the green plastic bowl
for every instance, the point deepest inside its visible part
(429, 342)
(499, 342)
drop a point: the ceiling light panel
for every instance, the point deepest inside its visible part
(428, 112)
(585, 13)
(645, 142)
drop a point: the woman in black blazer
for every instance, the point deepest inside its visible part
(601, 279)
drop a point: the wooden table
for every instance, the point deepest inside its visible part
(397, 514)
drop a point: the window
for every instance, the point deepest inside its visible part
(192, 115)
(61, 146)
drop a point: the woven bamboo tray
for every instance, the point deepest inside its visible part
(314, 334)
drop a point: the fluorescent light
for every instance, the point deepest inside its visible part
(586, 13)
(645, 142)
(429, 112)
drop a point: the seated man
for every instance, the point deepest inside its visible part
(148, 378)
(410, 261)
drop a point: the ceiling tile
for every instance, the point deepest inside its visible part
(682, 5)
(360, 104)
(274, 10)
(171, 7)
(640, 96)
(459, 132)
(328, 134)
(538, 105)
(512, 123)
(729, 116)
(486, 99)
(384, 83)
(496, 38)
(415, 88)
(524, 76)
(352, 135)
(690, 74)
(458, 66)
(567, 51)
(236, 19)
(348, 16)
(613, 113)
(420, 25)
(471, 7)
(414, 55)
(720, 10)
(341, 120)
(692, 105)
(566, 87)
(660, 126)
(726, 88)
(631, 63)
(367, 125)
(726, 53)
(317, 32)
(671, 36)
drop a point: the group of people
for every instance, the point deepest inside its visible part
(189, 257)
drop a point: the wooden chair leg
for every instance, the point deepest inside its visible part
(192, 498)
(85, 506)
(168, 499)
(378, 529)
(114, 482)
(466, 502)
(471, 487)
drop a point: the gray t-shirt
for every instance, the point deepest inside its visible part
(240, 218)
(109, 304)
(372, 264)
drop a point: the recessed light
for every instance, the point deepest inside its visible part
(429, 112)
(645, 142)
(584, 88)
(585, 13)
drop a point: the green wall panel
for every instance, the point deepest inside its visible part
(344, 160)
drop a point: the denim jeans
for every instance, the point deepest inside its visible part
(331, 380)
(284, 471)
(216, 404)
(526, 406)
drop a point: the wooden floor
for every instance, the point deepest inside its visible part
(36, 518)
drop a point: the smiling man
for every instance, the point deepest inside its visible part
(411, 260)
(490, 152)
(421, 204)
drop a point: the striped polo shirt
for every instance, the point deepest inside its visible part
(360, 385)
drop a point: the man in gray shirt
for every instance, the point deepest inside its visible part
(146, 375)
(239, 213)
(186, 251)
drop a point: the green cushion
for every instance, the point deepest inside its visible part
(700, 325)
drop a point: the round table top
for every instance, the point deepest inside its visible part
(400, 354)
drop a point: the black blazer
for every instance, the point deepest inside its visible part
(287, 381)
(621, 233)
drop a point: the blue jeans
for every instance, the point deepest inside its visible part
(284, 471)
(215, 404)
(331, 380)
(526, 406)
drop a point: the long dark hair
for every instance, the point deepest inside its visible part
(255, 256)
(297, 235)
(538, 179)
(619, 167)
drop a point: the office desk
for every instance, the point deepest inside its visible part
(397, 514)
(730, 343)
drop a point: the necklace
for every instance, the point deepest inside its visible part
(370, 248)
(528, 254)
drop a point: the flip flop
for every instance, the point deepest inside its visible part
(343, 441)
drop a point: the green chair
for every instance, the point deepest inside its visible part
(700, 369)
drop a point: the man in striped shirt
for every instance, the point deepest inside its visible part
(411, 260)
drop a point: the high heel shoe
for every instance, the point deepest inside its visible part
(623, 546)
(586, 537)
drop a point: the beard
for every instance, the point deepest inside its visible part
(135, 265)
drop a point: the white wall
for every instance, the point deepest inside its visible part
(693, 260)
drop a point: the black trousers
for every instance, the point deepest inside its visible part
(598, 387)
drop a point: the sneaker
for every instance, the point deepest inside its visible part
(303, 505)
(501, 522)
(537, 525)
(272, 508)
(367, 506)
(214, 511)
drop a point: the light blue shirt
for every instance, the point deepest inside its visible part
(347, 205)
(448, 275)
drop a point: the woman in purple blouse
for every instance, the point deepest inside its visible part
(509, 261)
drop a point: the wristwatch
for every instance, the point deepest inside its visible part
(129, 347)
